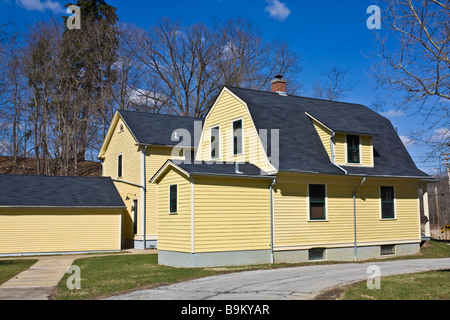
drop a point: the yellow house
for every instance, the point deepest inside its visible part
(136, 145)
(280, 178)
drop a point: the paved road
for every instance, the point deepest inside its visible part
(281, 284)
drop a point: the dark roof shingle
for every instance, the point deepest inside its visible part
(300, 148)
(57, 191)
(157, 129)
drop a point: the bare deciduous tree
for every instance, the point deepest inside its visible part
(335, 85)
(413, 57)
(189, 65)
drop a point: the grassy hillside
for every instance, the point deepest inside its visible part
(28, 166)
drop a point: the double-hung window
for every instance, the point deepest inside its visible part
(215, 136)
(173, 198)
(353, 149)
(119, 165)
(237, 137)
(317, 210)
(387, 202)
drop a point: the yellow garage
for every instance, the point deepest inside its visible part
(48, 214)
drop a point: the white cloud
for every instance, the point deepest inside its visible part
(38, 5)
(407, 141)
(393, 113)
(278, 10)
(440, 135)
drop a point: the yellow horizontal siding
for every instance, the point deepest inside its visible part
(122, 143)
(366, 151)
(226, 110)
(292, 227)
(132, 192)
(59, 230)
(340, 153)
(324, 135)
(174, 230)
(231, 215)
(155, 158)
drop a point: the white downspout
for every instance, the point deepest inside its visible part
(271, 221)
(143, 195)
(355, 254)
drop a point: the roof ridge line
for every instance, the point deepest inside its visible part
(301, 97)
(158, 114)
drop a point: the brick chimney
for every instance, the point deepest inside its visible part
(279, 85)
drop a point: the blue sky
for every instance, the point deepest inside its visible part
(323, 33)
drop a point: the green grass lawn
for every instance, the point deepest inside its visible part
(106, 275)
(101, 276)
(432, 285)
(10, 268)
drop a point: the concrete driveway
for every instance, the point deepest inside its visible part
(281, 284)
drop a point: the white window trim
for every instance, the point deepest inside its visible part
(117, 172)
(218, 142)
(381, 207)
(308, 209)
(174, 184)
(242, 137)
(121, 127)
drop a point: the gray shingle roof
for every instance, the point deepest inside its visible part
(300, 148)
(247, 169)
(157, 129)
(56, 191)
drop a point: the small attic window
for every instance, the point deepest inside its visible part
(120, 127)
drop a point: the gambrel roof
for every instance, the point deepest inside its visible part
(300, 148)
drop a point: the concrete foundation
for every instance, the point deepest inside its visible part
(248, 257)
(213, 259)
(347, 253)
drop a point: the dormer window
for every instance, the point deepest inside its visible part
(353, 149)
(215, 135)
(237, 137)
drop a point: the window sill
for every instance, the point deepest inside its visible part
(317, 220)
(173, 213)
(388, 219)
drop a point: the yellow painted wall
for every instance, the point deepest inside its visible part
(127, 220)
(174, 230)
(155, 158)
(324, 135)
(340, 151)
(366, 151)
(231, 214)
(292, 228)
(227, 109)
(124, 143)
(24, 230)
